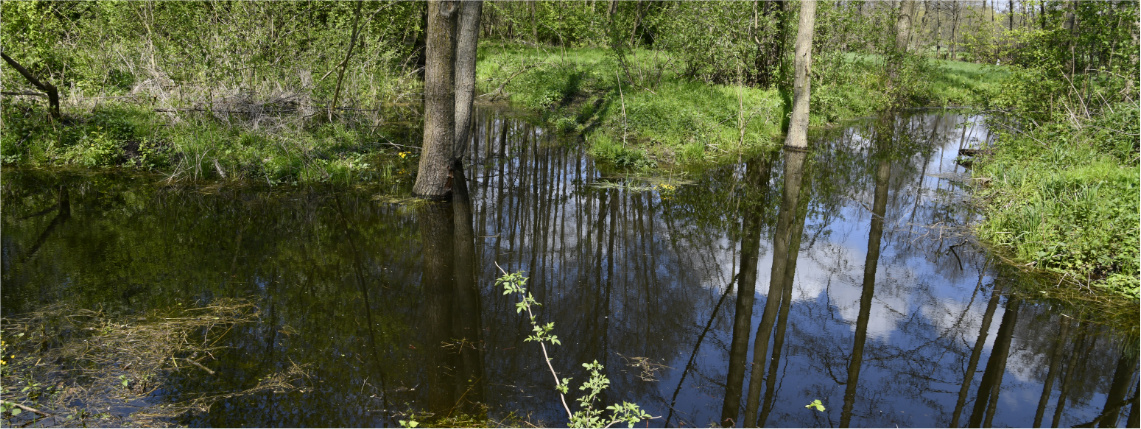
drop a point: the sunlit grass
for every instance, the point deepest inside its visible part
(1067, 208)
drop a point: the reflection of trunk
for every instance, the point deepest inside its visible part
(1134, 420)
(436, 232)
(450, 315)
(756, 177)
(871, 262)
(467, 37)
(786, 305)
(62, 215)
(358, 270)
(696, 347)
(1115, 397)
(989, 387)
(976, 352)
(782, 249)
(466, 304)
(1055, 357)
(1083, 343)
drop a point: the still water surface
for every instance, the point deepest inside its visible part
(850, 262)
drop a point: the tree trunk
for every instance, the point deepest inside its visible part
(534, 24)
(345, 63)
(903, 25)
(467, 39)
(798, 124)
(433, 178)
(1010, 15)
(952, 44)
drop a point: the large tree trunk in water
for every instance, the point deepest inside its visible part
(432, 180)
(467, 38)
(798, 124)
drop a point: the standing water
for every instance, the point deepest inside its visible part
(850, 262)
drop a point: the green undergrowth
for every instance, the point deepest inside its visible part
(659, 117)
(1064, 198)
(201, 147)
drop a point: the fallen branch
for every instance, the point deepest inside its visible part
(26, 408)
(203, 367)
(53, 93)
(33, 94)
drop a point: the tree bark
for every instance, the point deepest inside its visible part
(467, 39)
(433, 177)
(903, 25)
(1010, 15)
(953, 44)
(798, 124)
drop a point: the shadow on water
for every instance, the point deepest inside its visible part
(876, 302)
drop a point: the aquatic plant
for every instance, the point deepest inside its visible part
(588, 416)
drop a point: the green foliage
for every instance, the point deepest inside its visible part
(1063, 198)
(199, 147)
(587, 416)
(112, 46)
(1064, 185)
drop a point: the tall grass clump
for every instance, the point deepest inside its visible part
(1064, 198)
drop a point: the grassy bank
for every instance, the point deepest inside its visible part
(1064, 198)
(205, 146)
(658, 116)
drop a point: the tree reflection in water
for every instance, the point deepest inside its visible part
(393, 306)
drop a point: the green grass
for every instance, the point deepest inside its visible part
(1064, 198)
(966, 84)
(200, 147)
(658, 118)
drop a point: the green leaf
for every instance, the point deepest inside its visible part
(816, 404)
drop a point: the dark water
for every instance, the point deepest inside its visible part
(881, 308)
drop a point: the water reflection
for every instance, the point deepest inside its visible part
(874, 303)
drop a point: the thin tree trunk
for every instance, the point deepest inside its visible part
(952, 44)
(534, 24)
(434, 179)
(1010, 15)
(467, 39)
(345, 63)
(798, 124)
